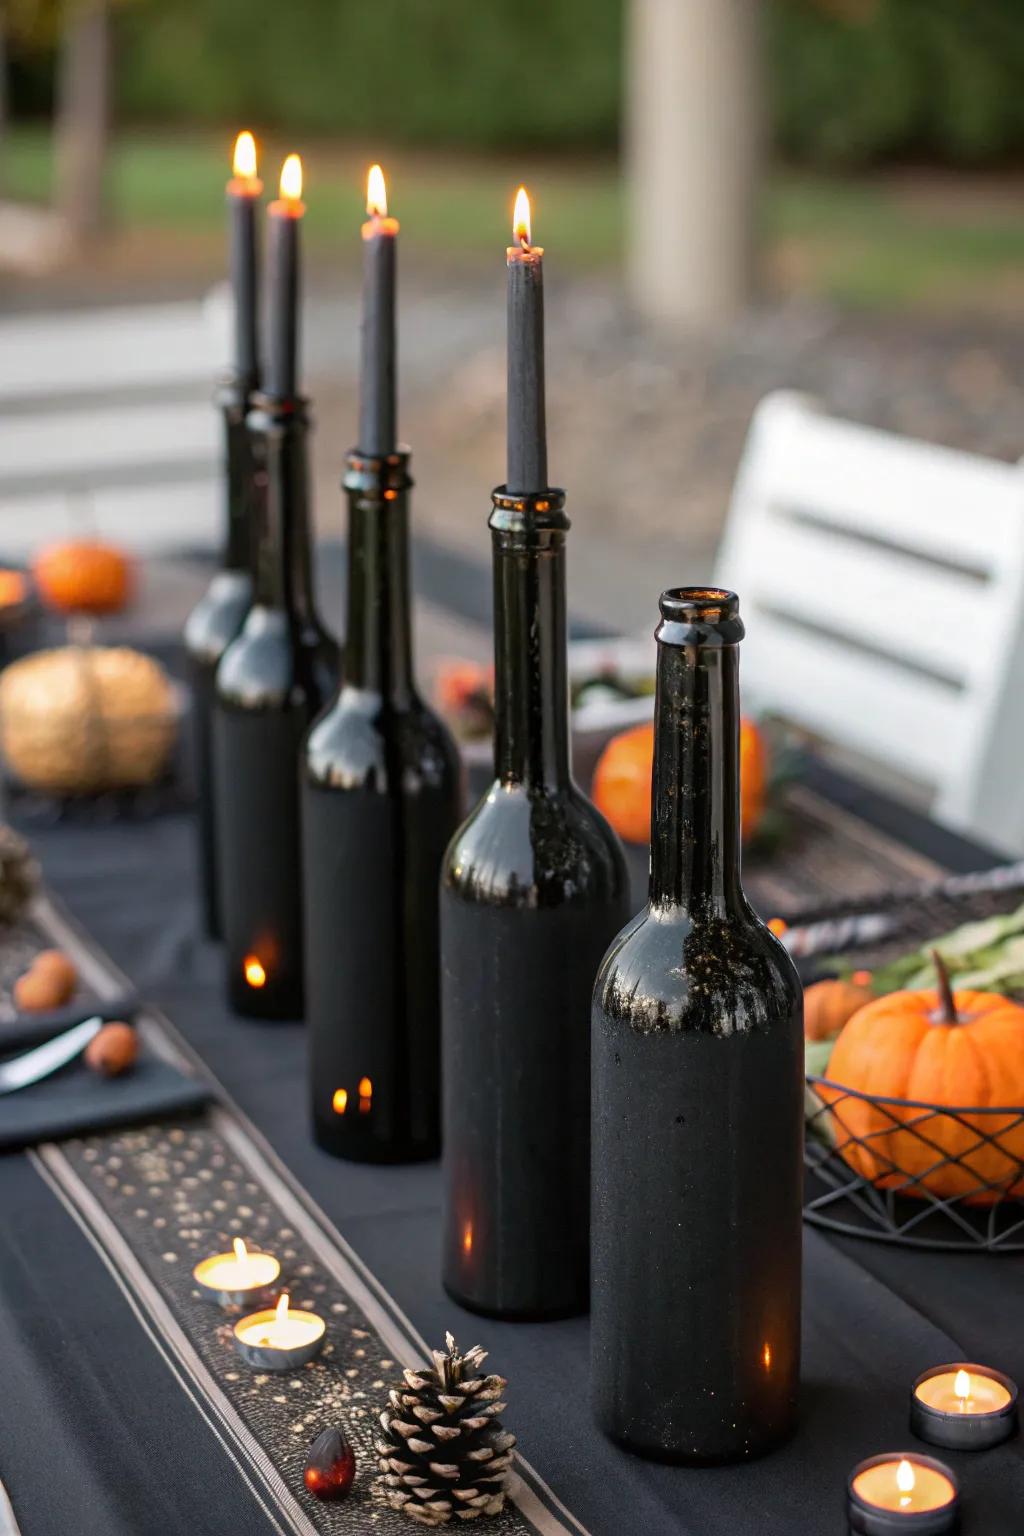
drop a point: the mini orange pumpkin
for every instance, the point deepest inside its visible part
(622, 781)
(83, 576)
(933, 1047)
(829, 1004)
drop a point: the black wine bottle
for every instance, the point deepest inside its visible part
(381, 798)
(534, 887)
(271, 682)
(697, 1101)
(213, 624)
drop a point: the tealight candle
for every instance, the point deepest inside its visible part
(902, 1492)
(279, 1339)
(236, 1277)
(964, 1407)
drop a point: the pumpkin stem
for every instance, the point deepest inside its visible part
(947, 1006)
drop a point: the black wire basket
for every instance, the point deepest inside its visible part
(901, 1171)
(919, 1175)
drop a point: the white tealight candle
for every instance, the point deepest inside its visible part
(238, 1276)
(964, 1406)
(279, 1339)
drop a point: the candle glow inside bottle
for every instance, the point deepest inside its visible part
(272, 680)
(381, 796)
(534, 886)
(697, 1101)
(218, 616)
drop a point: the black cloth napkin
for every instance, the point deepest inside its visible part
(76, 1099)
(30, 1029)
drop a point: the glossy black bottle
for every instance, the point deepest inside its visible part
(381, 797)
(534, 887)
(213, 624)
(272, 680)
(697, 1101)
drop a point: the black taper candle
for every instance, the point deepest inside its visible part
(526, 470)
(283, 283)
(218, 616)
(272, 680)
(697, 1100)
(533, 889)
(377, 393)
(243, 193)
(381, 797)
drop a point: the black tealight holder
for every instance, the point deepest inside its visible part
(867, 1518)
(960, 1429)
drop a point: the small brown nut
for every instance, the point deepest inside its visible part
(112, 1050)
(38, 992)
(55, 963)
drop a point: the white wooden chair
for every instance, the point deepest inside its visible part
(107, 423)
(882, 586)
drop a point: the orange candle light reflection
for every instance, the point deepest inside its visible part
(254, 972)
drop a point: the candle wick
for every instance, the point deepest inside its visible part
(524, 242)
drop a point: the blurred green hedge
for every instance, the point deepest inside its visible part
(854, 81)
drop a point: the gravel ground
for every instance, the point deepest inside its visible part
(646, 430)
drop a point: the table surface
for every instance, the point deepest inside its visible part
(103, 1430)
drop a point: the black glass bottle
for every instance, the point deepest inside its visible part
(381, 797)
(697, 1101)
(534, 887)
(272, 680)
(213, 624)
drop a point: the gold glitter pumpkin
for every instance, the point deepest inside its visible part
(86, 719)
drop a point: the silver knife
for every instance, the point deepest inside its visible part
(44, 1059)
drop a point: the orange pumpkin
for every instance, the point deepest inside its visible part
(622, 781)
(13, 588)
(939, 1048)
(829, 1004)
(83, 576)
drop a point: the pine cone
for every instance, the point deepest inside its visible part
(443, 1454)
(19, 875)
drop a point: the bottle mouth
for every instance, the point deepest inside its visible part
(699, 616)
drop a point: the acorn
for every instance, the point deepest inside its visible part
(55, 963)
(330, 1466)
(38, 992)
(113, 1049)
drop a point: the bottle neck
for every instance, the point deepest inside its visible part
(378, 641)
(238, 513)
(277, 442)
(531, 685)
(695, 840)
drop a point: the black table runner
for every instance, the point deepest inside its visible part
(874, 1318)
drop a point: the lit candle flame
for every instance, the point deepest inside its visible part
(241, 1251)
(467, 1238)
(244, 160)
(365, 1088)
(766, 1356)
(962, 1388)
(376, 194)
(291, 180)
(255, 975)
(521, 219)
(905, 1479)
(281, 1316)
(339, 1101)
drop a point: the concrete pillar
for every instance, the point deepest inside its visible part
(694, 140)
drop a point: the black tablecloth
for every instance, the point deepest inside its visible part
(95, 1435)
